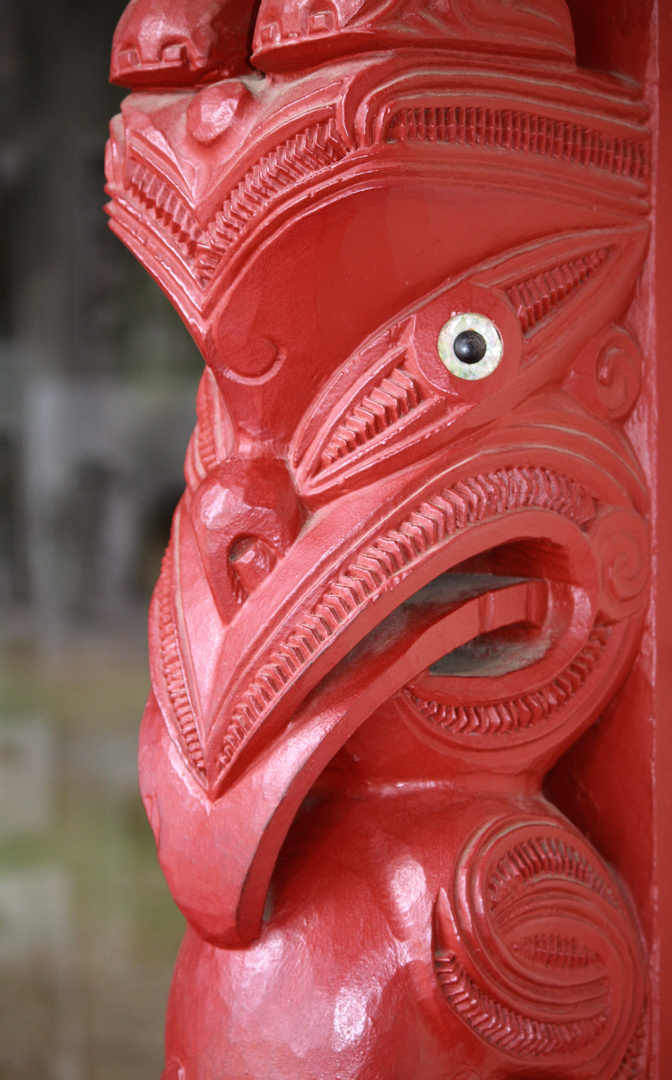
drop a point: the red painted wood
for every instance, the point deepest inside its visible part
(398, 752)
(662, 73)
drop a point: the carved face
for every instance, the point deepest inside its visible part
(347, 453)
(413, 524)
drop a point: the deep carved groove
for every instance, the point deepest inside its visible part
(166, 206)
(395, 396)
(202, 249)
(505, 1028)
(536, 297)
(556, 140)
(173, 672)
(554, 951)
(298, 157)
(544, 857)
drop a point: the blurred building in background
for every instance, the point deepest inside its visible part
(97, 388)
(97, 373)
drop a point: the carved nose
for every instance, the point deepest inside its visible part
(246, 514)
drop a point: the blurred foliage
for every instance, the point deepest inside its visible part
(110, 986)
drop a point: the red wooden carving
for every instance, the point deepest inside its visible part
(410, 566)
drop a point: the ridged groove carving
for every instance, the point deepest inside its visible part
(321, 145)
(507, 1029)
(525, 710)
(213, 436)
(202, 248)
(554, 951)
(301, 156)
(530, 898)
(536, 297)
(395, 396)
(548, 857)
(172, 667)
(466, 503)
(165, 205)
(506, 129)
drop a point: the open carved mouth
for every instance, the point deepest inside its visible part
(500, 643)
(483, 644)
(513, 677)
(495, 646)
(474, 609)
(496, 642)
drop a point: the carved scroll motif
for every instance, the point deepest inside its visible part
(550, 918)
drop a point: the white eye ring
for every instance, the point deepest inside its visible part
(473, 334)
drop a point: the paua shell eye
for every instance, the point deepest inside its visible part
(470, 346)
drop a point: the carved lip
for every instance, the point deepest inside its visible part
(492, 710)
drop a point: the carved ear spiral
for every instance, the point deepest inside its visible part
(618, 373)
(536, 952)
(621, 540)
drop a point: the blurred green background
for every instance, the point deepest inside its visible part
(97, 387)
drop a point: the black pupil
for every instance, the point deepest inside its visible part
(470, 346)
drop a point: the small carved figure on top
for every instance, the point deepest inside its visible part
(183, 43)
(293, 34)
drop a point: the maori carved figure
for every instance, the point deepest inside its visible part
(410, 565)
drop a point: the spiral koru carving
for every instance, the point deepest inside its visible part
(537, 952)
(618, 373)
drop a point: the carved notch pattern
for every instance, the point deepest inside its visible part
(157, 196)
(202, 248)
(294, 160)
(507, 1029)
(506, 129)
(432, 522)
(395, 396)
(524, 711)
(554, 951)
(544, 857)
(536, 297)
(551, 878)
(173, 671)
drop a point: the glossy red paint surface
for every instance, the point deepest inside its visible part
(400, 586)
